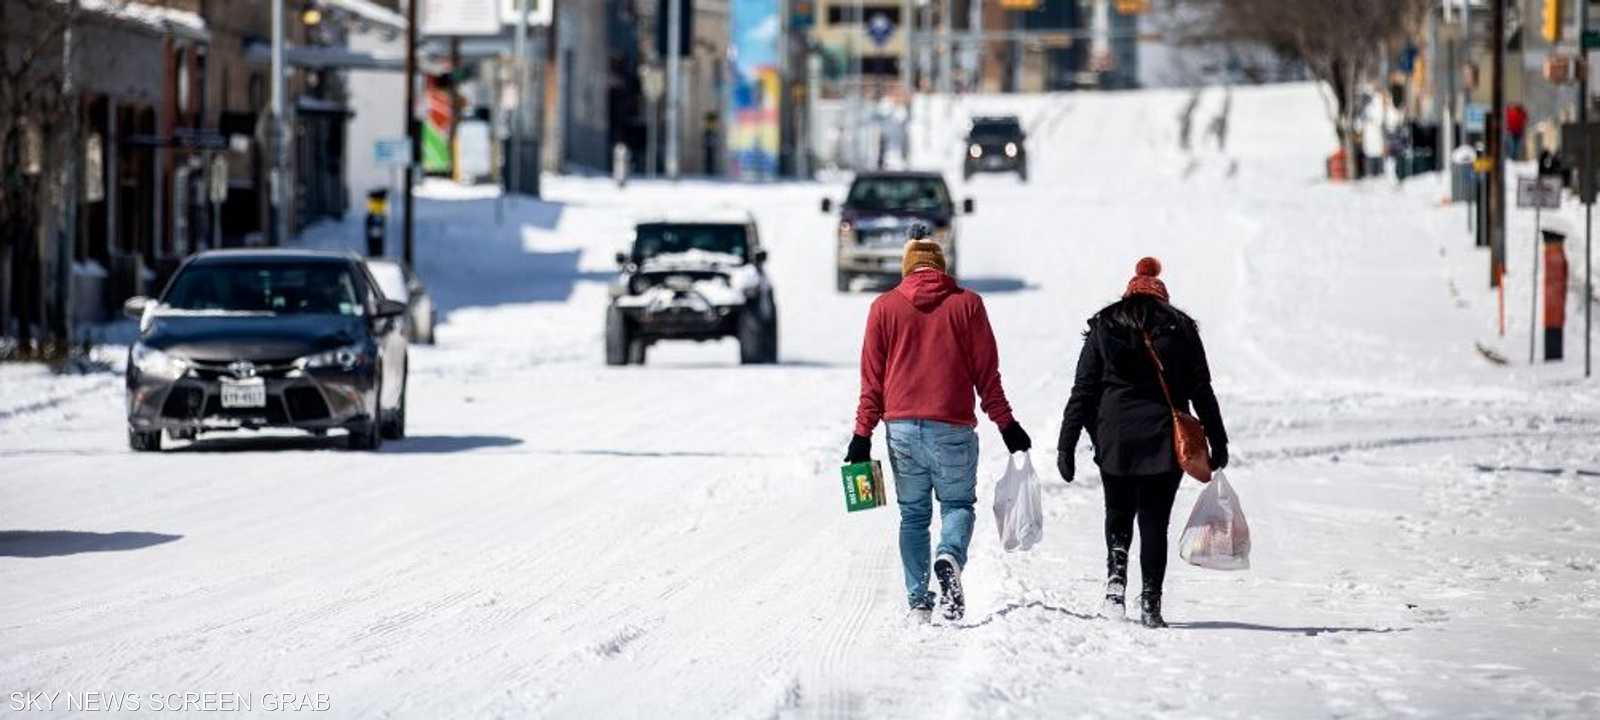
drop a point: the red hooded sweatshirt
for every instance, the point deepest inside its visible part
(928, 347)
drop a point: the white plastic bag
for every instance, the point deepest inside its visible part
(1018, 512)
(1216, 536)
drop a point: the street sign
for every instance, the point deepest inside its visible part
(392, 152)
(652, 81)
(1591, 39)
(539, 11)
(1539, 192)
(219, 178)
(1476, 116)
(460, 17)
(880, 28)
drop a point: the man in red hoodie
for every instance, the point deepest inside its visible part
(928, 346)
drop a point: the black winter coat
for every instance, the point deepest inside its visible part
(1117, 398)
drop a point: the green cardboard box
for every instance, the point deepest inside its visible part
(863, 486)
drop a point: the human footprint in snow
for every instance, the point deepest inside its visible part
(1142, 363)
(928, 345)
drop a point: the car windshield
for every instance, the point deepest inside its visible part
(926, 194)
(996, 129)
(278, 288)
(391, 280)
(663, 239)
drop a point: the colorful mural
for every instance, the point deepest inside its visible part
(756, 88)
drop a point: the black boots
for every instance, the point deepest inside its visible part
(1116, 604)
(1150, 610)
(951, 598)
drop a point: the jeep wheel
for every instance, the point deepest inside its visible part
(617, 341)
(144, 441)
(758, 338)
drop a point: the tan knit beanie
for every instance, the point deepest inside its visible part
(921, 254)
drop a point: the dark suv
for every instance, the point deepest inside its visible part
(700, 277)
(996, 144)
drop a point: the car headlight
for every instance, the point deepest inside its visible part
(638, 284)
(348, 357)
(151, 361)
(1011, 149)
(976, 151)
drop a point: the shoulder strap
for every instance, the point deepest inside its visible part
(1161, 371)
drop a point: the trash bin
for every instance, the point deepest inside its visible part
(1463, 181)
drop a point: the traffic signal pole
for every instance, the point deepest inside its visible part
(1588, 178)
(411, 126)
(1495, 141)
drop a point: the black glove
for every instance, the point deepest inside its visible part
(1016, 438)
(1066, 464)
(860, 449)
(1219, 457)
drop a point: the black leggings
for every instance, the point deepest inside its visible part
(1147, 498)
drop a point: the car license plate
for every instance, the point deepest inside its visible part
(246, 393)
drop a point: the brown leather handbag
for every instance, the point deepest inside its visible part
(1188, 435)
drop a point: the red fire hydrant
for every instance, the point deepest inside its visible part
(1555, 293)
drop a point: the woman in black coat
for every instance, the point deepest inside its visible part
(1117, 398)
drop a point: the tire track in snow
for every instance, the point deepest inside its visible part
(854, 604)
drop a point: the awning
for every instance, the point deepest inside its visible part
(342, 58)
(154, 18)
(369, 12)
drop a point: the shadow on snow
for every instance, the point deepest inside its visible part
(411, 444)
(55, 543)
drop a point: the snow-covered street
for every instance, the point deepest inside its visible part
(558, 538)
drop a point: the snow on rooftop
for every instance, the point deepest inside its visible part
(369, 11)
(154, 17)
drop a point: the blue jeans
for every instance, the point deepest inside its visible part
(928, 456)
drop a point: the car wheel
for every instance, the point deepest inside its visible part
(772, 337)
(617, 344)
(140, 441)
(369, 435)
(395, 427)
(757, 346)
(843, 281)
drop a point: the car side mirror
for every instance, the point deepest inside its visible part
(390, 308)
(135, 306)
(622, 259)
(967, 207)
(760, 257)
(827, 205)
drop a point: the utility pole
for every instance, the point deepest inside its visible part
(67, 241)
(279, 176)
(519, 65)
(410, 115)
(946, 50)
(1584, 167)
(975, 52)
(674, 46)
(1495, 141)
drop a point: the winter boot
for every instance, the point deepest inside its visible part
(1150, 610)
(922, 610)
(949, 573)
(1116, 604)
